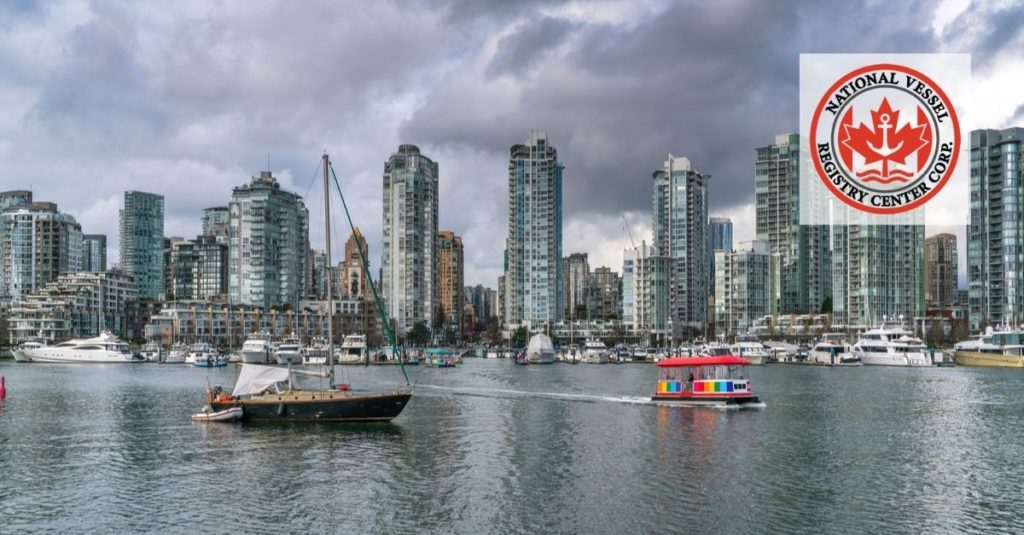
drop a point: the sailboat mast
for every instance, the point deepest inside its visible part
(330, 297)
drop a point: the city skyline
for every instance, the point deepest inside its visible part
(101, 87)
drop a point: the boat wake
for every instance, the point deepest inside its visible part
(503, 393)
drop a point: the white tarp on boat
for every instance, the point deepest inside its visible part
(540, 349)
(254, 379)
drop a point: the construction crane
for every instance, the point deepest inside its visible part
(625, 225)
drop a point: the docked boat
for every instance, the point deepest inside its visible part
(353, 350)
(540, 350)
(256, 349)
(833, 350)
(210, 360)
(441, 358)
(32, 343)
(994, 349)
(226, 415)
(891, 346)
(176, 355)
(705, 381)
(289, 351)
(105, 348)
(200, 352)
(316, 353)
(594, 352)
(715, 349)
(749, 347)
(271, 393)
(152, 352)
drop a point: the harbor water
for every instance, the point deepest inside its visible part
(491, 447)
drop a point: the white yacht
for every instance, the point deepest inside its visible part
(833, 344)
(104, 348)
(31, 343)
(256, 349)
(594, 352)
(176, 355)
(353, 349)
(540, 350)
(316, 353)
(200, 351)
(715, 349)
(891, 346)
(289, 351)
(152, 352)
(750, 348)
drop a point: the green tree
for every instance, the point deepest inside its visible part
(826, 305)
(419, 334)
(520, 337)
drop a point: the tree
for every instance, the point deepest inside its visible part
(419, 334)
(826, 305)
(520, 337)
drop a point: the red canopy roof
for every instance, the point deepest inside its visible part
(720, 360)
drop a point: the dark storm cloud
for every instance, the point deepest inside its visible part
(528, 45)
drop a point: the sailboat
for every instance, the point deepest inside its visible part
(269, 393)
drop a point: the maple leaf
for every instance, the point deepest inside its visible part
(882, 141)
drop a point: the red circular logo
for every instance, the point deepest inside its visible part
(884, 138)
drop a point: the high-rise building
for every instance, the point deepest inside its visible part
(37, 244)
(480, 297)
(268, 245)
(605, 295)
(319, 271)
(805, 267)
(450, 277)
(646, 285)
(217, 223)
(576, 270)
(94, 252)
(743, 292)
(353, 283)
(18, 197)
(198, 269)
(409, 260)
(940, 270)
(719, 239)
(142, 242)
(680, 223)
(995, 236)
(533, 288)
(877, 271)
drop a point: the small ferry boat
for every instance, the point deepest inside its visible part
(705, 381)
(993, 349)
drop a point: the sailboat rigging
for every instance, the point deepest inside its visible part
(268, 393)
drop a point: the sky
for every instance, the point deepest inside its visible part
(188, 99)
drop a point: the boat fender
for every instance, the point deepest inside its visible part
(3, 387)
(344, 387)
(280, 409)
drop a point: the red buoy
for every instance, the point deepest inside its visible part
(3, 387)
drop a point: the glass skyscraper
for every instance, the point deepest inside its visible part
(142, 242)
(719, 239)
(37, 244)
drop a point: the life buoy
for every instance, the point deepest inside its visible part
(344, 387)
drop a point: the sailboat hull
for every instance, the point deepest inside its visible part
(319, 406)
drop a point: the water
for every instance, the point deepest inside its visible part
(492, 447)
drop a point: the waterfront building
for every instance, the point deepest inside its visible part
(319, 271)
(804, 249)
(18, 197)
(141, 234)
(217, 223)
(75, 305)
(576, 270)
(534, 281)
(605, 295)
(878, 270)
(940, 270)
(409, 260)
(719, 239)
(743, 292)
(353, 282)
(198, 268)
(680, 223)
(450, 277)
(94, 252)
(646, 288)
(268, 244)
(995, 236)
(481, 299)
(37, 244)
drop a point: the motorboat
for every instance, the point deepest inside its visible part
(289, 351)
(594, 352)
(353, 350)
(152, 352)
(993, 349)
(834, 350)
(211, 360)
(176, 355)
(105, 348)
(540, 350)
(256, 349)
(705, 381)
(891, 346)
(200, 351)
(32, 343)
(715, 349)
(749, 347)
(316, 353)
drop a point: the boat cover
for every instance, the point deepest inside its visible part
(540, 343)
(255, 379)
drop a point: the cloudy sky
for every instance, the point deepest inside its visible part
(188, 99)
